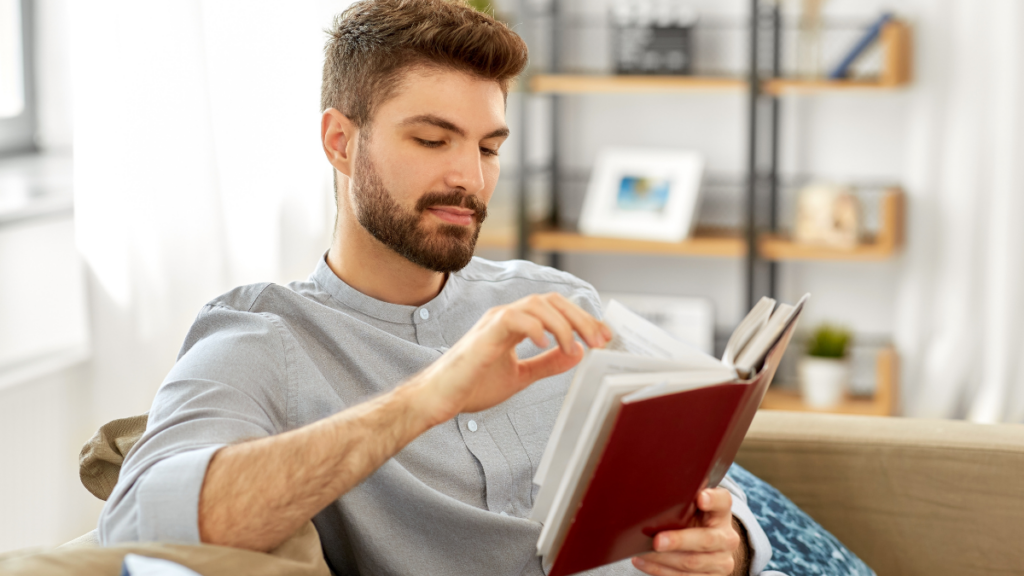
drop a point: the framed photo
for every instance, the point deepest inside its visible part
(643, 193)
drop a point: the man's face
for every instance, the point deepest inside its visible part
(426, 166)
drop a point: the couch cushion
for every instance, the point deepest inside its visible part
(909, 496)
(87, 540)
(300, 555)
(99, 463)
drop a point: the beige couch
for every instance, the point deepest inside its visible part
(910, 497)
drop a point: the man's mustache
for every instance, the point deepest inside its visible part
(454, 198)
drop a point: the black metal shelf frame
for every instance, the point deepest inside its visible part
(762, 146)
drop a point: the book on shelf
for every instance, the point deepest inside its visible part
(863, 43)
(647, 423)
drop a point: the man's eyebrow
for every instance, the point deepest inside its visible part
(499, 133)
(450, 126)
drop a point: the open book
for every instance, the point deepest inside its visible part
(647, 423)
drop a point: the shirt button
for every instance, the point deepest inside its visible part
(424, 313)
(471, 425)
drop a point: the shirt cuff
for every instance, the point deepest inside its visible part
(168, 497)
(760, 547)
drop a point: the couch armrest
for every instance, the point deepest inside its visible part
(908, 496)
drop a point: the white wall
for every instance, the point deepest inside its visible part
(44, 423)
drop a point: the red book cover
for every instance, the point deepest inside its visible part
(660, 453)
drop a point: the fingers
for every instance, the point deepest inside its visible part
(698, 540)
(517, 323)
(562, 318)
(594, 332)
(549, 363)
(554, 321)
(716, 503)
(676, 563)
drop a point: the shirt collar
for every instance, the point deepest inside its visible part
(324, 277)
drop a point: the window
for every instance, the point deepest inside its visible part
(17, 105)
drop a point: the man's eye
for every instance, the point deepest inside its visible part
(429, 143)
(488, 151)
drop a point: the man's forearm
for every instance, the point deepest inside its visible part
(256, 494)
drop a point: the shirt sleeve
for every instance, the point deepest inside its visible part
(230, 384)
(760, 547)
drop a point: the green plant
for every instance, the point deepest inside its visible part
(829, 341)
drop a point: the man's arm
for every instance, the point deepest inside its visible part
(256, 494)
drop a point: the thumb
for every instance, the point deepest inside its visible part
(551, 362)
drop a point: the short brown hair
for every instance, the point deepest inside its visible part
(373, 41)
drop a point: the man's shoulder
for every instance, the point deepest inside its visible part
(264, 297)
(514, 271)
(242, 298)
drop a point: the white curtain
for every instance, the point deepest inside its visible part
(198, 167)
(960, 329)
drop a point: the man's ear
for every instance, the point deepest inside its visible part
(338, 135)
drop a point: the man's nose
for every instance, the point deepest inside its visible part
(466, 171)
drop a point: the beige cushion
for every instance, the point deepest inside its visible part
(927, 497)
(300, 555)
(100, 461)
(87, 540)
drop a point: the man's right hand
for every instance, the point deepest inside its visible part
(483, 369)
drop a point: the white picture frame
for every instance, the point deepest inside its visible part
(643, 193)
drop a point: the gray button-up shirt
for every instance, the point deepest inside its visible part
(264, 359)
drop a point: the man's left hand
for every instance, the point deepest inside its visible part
(708, 547)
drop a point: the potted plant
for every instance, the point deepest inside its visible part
(825, 370)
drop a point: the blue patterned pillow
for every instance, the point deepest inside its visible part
(800, 546)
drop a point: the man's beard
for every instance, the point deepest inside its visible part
(449, 248)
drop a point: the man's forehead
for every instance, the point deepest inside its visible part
(448, 99)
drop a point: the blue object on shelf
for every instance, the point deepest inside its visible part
(865, 41)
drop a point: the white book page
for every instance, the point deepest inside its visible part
(634, 334)
(758, 347)
(752, 323)
(671, 382)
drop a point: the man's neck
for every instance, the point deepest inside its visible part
(364, 263)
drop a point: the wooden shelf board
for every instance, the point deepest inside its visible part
(784, 86)
(706, 243)
(885, 244)
(774, 247)
(791, 401)
(568, 83)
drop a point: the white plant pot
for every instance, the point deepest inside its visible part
(823, 381)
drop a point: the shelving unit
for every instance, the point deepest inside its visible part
(885, 244)
(587, 84)
(758, 242)
(895, 42)
(883, 403)
(708, 243)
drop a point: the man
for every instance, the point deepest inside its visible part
(403, 395)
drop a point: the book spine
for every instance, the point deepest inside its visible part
(865, 41)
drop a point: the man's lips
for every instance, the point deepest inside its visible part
(453, 214)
